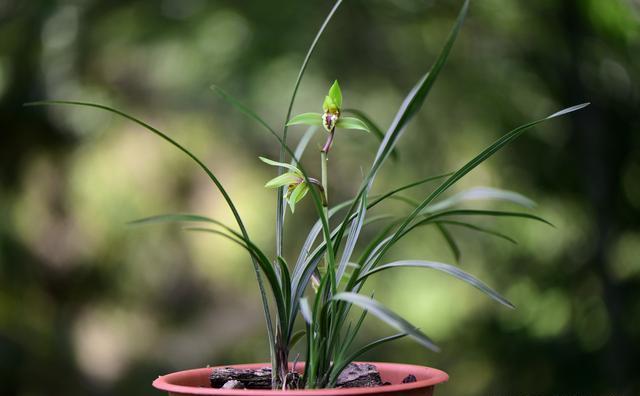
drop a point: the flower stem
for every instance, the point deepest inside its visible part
(324, 161)
(325, 201)
(323, 164)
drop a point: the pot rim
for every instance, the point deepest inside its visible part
(435, 376)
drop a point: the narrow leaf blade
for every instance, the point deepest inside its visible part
(482, 193)
(305, 310)
(448, 269)
(386, 315)
(451, 242)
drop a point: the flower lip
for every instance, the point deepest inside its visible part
(330, 119)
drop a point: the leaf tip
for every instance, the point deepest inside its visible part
(569, 110)
(215, 88)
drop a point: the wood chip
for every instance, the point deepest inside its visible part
(361, 375)
(233, 384)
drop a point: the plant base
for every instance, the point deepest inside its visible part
(197, 382)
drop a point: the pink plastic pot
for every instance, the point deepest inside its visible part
(196, 382)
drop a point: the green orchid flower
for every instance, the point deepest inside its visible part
(331, 118)
(297, 188)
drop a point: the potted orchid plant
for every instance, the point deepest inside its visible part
(310, 299)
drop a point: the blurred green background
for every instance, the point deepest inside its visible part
(89, 305)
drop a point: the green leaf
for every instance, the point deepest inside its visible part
(231, 238)
(303, 69)
(296, 337)
(415, 99)
(410, 106)
(177, 217)
(227, 198)
(480, 212)
(306, 119)
(280, 164)
(388, 316)
(468, 167)
(284, 179)
(305, 310)
(450, 241)
(568, 110)
(285, 283)
(352, 239)
(350, 336)
(478, 229)
(481, 193)
(336, 94)
(267, 268)
(446, 268)
(351, 123)
(433, 218)
(339, 366)
(166, 218)
(303, 261)
(244, 109)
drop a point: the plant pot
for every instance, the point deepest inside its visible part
(196, 382)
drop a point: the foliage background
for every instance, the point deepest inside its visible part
(91, 306)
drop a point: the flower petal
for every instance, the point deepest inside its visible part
(351, 123)
(297, 194)
(281, 164)
(336, 94)
(329, 105)
(306, 119)
(284, 179)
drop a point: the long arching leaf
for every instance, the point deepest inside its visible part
(268, 270)
(409, 108)
(386, 315)
(317, 227)
(468, 167)
(478, 229)
(481, 193)
(478, 212)
(446, 268)
(296, 337)
(451, 242)
(227, 198)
